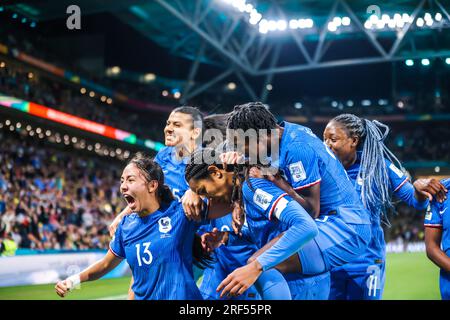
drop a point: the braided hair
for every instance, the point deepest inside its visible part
(375, 191)
(252, 115)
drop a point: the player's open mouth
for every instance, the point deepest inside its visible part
(129, 199)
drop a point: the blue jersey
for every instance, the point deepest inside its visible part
(158, 249)
(173, 169)
(402, 188)
(305, 161)
(438, 216)
(336, 243)
(228, 258)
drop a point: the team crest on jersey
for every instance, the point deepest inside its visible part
(262, 198)
(397, 171)
(429, 214)
(298, 172)
(165, 226)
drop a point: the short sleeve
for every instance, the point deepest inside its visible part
(302, 166)
(264, 197)
(116, 244)
(433, 217)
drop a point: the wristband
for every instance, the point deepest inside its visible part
(75, 281)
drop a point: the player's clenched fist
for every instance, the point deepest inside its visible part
(62, 288)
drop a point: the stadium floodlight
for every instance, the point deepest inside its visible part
(2, 64)
(400, 23)
(438, 17)
(366, 103)
(400, 104)
(231, 86)
(15, 15)
(293, 24)
(109, 101)
(33, 24)
(269, 87)
(298, 105)
(429, 22)
(350, 103)
(337, 21)
(373, 19)
(103, 98)
(263, 26)
(92, 94)
(309, 23)
(332, 27)
(18, 125)
(427, 16)
(24, 20)
(409, 62)
(334, 104)
(165, 93)
(447, 61)
(382, 102)
(1, 9)
(255, 17)
(272, 25)
(248, 8)
(368, 24)
(425, 62)
(83, 90)
(385, 18)
(437, 169)
(405, 18)
(420, 22)
(281, 25)
(148, 77)
(380, 24)
(346, 21)
(115, 70)
(392, 24)
(398, 17)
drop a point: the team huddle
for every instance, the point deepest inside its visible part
(279, 215)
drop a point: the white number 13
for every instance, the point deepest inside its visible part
(149, 258)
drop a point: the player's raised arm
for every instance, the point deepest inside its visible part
(93, 272)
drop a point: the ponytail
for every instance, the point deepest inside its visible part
(375, 192)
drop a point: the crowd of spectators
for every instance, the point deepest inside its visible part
(51, 199)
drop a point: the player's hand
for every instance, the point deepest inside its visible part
(192, 205)
(237, 282)
(238, 219)
(113, 226)
(431, 188)
(62, 288)
(213, 240)
(231, 157)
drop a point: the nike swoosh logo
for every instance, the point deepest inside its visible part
(442, 211)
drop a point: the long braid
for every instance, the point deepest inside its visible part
(375, 192)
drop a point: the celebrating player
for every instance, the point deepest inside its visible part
(437, 239)
(313, 248)
(155, 239)
(358, 143)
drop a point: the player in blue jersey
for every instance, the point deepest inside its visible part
(375, 174)
(156, 239)
(312, 247)
(437, 239)
(315, 178)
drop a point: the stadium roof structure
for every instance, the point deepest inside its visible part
(262, 38)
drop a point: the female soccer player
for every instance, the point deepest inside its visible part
(437, 239)
(156, 239)
(315, 247)
(358, 143)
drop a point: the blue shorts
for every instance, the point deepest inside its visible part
(444, 285)
(336, 244)
(365, 283)
(304, 287)
(212, 277)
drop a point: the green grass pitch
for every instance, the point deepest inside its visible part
(409, 276)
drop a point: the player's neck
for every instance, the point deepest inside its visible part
(150, 208)
(184, 151)
(349, 161)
